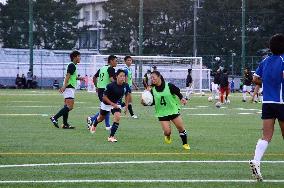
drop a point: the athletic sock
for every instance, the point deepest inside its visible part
(130, 109)
(114, 127)
(61, 112)
(107, 119)
(183, 136)
(65, 118)
(244, 96)
(260, 148)
(94, 117)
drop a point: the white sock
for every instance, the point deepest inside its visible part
(260, 149)
(187, 92)
(244, 96)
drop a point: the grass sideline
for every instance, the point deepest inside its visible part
(31, 139)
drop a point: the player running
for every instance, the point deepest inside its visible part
(167, 99)
(110, 103)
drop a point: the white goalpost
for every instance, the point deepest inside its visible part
(173, 69)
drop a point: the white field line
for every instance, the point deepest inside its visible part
(128, 162)
(206, 114)
(142, 181)
(23, 114)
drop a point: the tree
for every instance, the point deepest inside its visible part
(55, 24)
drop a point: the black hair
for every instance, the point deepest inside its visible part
(276, 44)
(126, 57)
(74, 54)
(225, 70)
(119, 71)
(110, 58)
(189, 70)
(159, 75)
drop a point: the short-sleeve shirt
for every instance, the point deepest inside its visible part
(271, 72)
(115, 92)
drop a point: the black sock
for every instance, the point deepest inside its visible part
(65, 118)
(183, 137)
(64, 110)
(113, 128)
(95, 122)
(130, 109)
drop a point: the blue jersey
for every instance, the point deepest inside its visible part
(270, 71)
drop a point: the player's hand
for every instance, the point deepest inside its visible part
(183, 101)
(61, 90)
(115, 106)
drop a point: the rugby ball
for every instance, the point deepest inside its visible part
(147, 98)
(210, 99)
(218, 104)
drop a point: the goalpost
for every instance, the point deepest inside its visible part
(173, 69)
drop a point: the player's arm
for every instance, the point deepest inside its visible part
(176, 91)
(108, 92)
(111, 72)
(95, 78)
(257, 75)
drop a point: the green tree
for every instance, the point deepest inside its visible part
(55, 24)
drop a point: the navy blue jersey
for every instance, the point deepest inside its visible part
(270, 71)
(115, 92)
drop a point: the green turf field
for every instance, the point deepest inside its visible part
(222, 141)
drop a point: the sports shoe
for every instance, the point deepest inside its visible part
(67, 126)
(111, 139)
(168, 139)
(108, 128)
(89, 122)
(54, 121)
(134, 117)
(186, 146)
(255, 169)
(93, 129)
(244, 100)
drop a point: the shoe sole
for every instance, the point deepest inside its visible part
(254, 172)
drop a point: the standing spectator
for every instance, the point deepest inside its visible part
(189, 87)
(147, 79)
(34, 82)
(29, 79)
(86, 82)
(24, 81)
(18, 82)
(247, 83)
(55, 84)
(232, 86)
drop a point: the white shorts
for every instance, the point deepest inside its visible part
(214, 87)
(106, 107)
(246, 88)
(69, 93)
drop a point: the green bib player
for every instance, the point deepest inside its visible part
(167, 99)
(68, 91)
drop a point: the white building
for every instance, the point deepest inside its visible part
(91, 13)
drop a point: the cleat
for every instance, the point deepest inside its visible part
(54, 121)
(168, 139)
(255, 169)
(134, 117)
(67, 126)
(244, 100)
(108, 128)
(93, 129)
(186, 146)
(111, 139)
(89, 122)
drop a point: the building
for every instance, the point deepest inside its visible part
(91, 13)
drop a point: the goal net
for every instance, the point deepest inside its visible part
(173, 69)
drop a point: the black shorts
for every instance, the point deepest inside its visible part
(169, 117)
(104, 112)
(101, 93)
(273, 111)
